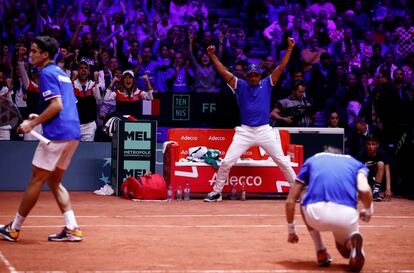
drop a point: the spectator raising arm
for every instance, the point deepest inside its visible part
(21, 68)
(147, 95)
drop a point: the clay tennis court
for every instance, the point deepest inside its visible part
(232, 236)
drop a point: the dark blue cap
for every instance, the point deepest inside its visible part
(254, 68)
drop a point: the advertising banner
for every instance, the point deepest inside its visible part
(180, 107)
(263, 180)
(133, 150)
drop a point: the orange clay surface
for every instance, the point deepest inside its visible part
(232, 236)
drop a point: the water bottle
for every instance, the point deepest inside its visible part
(243, 193)
(169, 193)
(233, 193)
(179, 193)
(187, 192)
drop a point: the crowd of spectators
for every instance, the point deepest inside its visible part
(353, 60)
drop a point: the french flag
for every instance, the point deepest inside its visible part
(151, 107)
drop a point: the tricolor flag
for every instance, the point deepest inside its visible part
(151, 107)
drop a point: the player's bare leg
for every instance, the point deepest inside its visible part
(70, 232)
(59, 191)
(11, 231)
(344, 249)
(31, 195)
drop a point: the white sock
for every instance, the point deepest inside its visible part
(18, 221)
(316, 238)
(70, 221)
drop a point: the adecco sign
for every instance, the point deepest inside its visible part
(240, 180)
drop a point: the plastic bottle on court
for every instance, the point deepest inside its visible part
(179, 193)
(169, 193)
(243, 193)
(233, 192)
(187, 191)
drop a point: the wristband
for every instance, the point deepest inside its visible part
(368, 211)
(291, 228)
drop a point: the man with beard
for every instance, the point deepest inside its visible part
(294, 110)
(88, 95)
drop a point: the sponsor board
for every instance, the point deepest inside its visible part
(133, 150)
(255, 179)
(180, 107)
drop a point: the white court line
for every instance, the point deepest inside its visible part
(242, 271)
(225, 271)
(200, 226)
(193, 215)
(7, 263)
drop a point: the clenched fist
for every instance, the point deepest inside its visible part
(291, 43)
(211, 50)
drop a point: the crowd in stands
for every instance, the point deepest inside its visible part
(353, 61)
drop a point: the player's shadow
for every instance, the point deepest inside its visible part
(312, 266)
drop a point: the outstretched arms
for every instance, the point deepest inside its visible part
(227, 75)
(279, 69)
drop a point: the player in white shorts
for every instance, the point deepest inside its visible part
(60, 122)
(331, 184)
(253, 95)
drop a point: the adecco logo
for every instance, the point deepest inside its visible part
(216, 138)
(251, 181)
(189, 138)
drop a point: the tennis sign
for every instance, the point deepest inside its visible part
(181, 107)
(133, 150)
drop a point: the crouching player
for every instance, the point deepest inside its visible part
(331, 184)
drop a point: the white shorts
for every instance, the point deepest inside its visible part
(341, 220)
(88, 131)
(5, 132)
(57, 154)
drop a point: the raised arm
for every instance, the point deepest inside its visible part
(21, 68)
(109, 94)
(147, 95)
(96, 90)
(279, 69)
(227, 75)
(191, 57)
